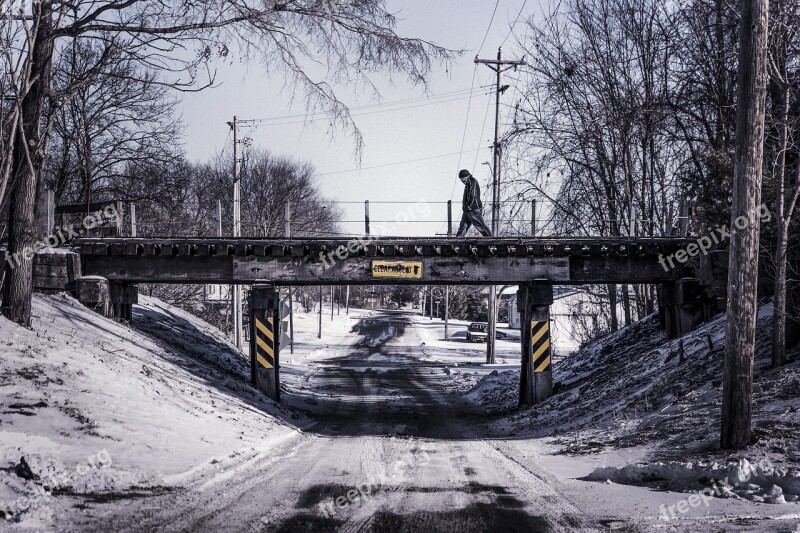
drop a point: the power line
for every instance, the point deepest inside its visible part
(490, 26)
(427, 99)
(225, 146)
(389, 164)
(379, 202)
(466, 122)
(306, 121)
(511, 29)
(483, 129)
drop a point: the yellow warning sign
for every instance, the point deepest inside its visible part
(397, 269)
(540, 345)
(265, 343)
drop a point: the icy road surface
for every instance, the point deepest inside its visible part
(392, 448)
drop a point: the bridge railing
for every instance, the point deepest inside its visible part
(423, 218)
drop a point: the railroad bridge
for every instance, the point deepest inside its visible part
(110, 268)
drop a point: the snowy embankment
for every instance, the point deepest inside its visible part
(660, 401)
(95, 408)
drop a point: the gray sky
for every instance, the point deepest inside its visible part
(424, 128)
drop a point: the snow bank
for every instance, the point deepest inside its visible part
(89, 406)
(759, 482)
(660, 401)
(498, 389)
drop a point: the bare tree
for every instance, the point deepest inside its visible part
(122, 117)
(740, 329)
(592, 132)
(182, 199)
(269, 183)
(181, 40)
(783, 53)
(27, 152)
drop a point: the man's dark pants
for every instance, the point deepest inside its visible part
(470, 218)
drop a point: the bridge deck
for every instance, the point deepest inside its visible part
(384, 260)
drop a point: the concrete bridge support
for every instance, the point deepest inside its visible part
(265, 339)
(536, 375)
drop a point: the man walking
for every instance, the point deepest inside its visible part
(472, 206)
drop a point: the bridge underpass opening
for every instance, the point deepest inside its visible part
(532, 263)
(536, 369)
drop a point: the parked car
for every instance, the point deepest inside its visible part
(479, 332)
(476, 332)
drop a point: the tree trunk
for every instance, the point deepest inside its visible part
(740, 328)
(28, 161)
(626, 305)
(781, 238)
(782, 95)
(779, 302)
(612, 302)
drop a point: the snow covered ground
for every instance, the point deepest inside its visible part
(92, 407)
(636, 409)
(107, 427)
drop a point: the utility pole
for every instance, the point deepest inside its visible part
(219, 218)
(288, 231)
(499, 66)
(319, 335)
(237, 229)
(133, 220)
(447, 287)
(740, 330)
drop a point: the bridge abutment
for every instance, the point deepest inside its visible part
(536, 372)
(94, 292)
(108, 298)
(264, 302)
(683, 306)
(123, 296)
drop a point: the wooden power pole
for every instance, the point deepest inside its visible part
(237, 230)
(740, 329)
(288, 233)
(499, 66)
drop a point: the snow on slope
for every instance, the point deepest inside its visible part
(634, 390)
(90, 406)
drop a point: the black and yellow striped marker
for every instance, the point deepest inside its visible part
(265, 343)
(540, 345)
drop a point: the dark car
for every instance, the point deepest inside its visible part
(478, 332)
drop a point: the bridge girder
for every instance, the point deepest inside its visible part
(353, 261)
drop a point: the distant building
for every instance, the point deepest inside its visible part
(563, 325)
